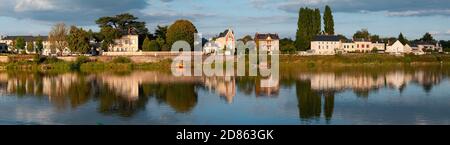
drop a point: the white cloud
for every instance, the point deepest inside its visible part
(420, 13)
(34, 5)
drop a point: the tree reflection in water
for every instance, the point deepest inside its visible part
(126, 95)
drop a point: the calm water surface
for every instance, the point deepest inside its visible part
(405, 95)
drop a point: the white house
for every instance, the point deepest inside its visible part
(127, 43)
(9, 42)
(325, 44)
(269, 42)
(226, 41)
(428, 46)
(396, 48)
(211, 47)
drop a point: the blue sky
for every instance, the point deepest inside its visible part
(383, 17)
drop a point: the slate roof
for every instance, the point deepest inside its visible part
(265, 36)
(26, 38)
(326, 38)
(223, 34)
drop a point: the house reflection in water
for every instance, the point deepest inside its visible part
(224, 86)
(127, 94)
(313, 87)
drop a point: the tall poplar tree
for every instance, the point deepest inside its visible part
(309, 25)
(328, 21)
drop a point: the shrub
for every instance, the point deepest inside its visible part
(121, 59)
(79, 61)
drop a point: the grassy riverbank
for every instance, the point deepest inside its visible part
(125, 64)
(83, 64)
(362, 60)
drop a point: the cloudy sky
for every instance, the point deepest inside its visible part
(382, 17)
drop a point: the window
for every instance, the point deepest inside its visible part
(367, 46)
(357, 45)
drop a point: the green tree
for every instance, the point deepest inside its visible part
(181, 30)
(154, 46)
(108, 35)
(124, 23)
(328, 21)
(246, 38)
(309, 26)
(361, 34)
(146, 44)
(30, 46)
(374, 38)
(402, 39)
(161, 31)
(427, 38)
(20, 44)
(78, 40)
(39, 45)
(342, 37)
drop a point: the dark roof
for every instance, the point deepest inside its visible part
(223, 34)
(326, 38)
(361, 40)
(265, 36)
(26, 38)
(424, 43)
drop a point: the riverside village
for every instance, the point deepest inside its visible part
(134, 41)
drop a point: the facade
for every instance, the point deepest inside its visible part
(380, 47)
(211, 47)
(127, 43)
(325, 44)
(332, 44)
(269, 42)
(9, 41)
(396, 48)
(349, 46)
(428, 46)
(226, 41)
(363, 45)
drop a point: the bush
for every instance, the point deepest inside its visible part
(121, 59)
(46, 60)
(79, 61)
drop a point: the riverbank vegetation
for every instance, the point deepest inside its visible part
(84, 63)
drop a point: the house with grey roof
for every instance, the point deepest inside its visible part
(268, 42)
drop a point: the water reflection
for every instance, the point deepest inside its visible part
(127, 94)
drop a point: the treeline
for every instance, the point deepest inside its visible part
(78, 40)
(309, 25)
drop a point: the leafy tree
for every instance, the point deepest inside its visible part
(124, 23)
(39, 45)
(361, 34)
(181, 30)
(146, 44)
(19, 43)
(374, 38)
(57, 37)
(108, 36)
(154, 46)
(30, 46)
(402, 39)
(78, 40)
(161, 42)
(309, 26)
(427, 38)
(161, 31)
(342, 37)
(328, 21)
(445, 45)
(246, 38)
(287, 45)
